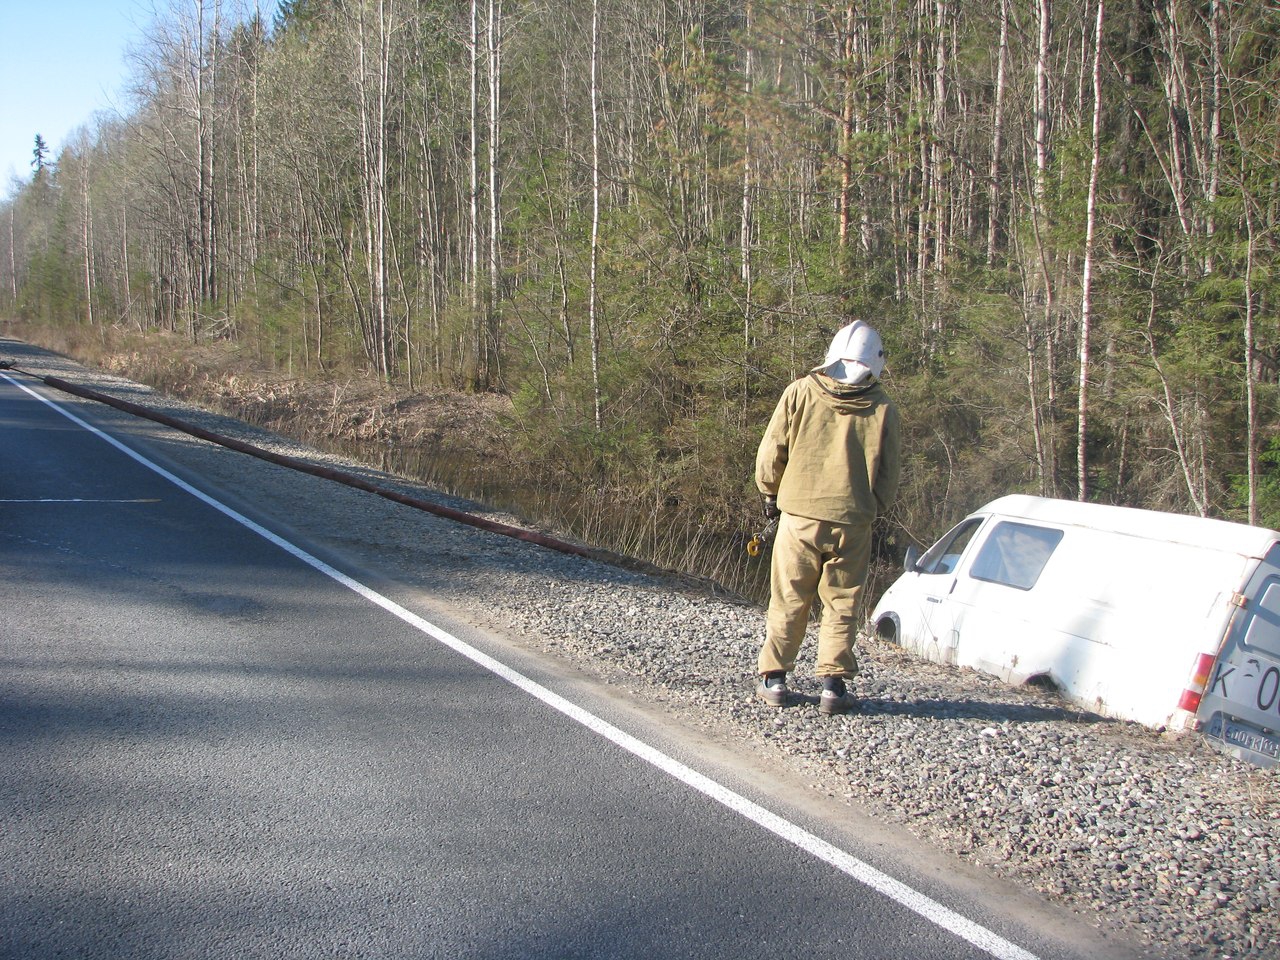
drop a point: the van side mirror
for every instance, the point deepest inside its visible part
(911, 559)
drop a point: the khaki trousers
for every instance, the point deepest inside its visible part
(829, 561)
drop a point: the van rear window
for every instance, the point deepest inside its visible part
(1264, 624)
(1015, 554)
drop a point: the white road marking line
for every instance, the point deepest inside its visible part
(82, 500)
(942, 916)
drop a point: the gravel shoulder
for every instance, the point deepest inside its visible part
(1158, 839)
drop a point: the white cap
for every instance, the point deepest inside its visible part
(855, 355)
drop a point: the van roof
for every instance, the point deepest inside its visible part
(1152, 524)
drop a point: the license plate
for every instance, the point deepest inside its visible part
(1244, 736)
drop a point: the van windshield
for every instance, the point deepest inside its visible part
(943, 556)
(1015, 554)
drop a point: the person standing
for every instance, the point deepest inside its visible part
(827, 466)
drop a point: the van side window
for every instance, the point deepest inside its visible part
(943, 556)
(1015, 554)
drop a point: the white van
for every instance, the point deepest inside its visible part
(1168, 620)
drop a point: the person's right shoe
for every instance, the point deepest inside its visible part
(773, 689)
(836, 698)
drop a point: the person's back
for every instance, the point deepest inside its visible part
(825, 461)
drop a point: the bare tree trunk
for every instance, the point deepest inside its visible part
(372, 110)
(386, 346)
(383, 253)
(997, 134)
(1039, 214)
(938, 218)
(428, 231)
(86, 235)
(1086, 296)
(744, 239)
(474, 194)
(1250, 356)
(1044, 12)
(492, 328)
(745, 224)
(1033, 393)
(1215, 125)
(255, 179)
(13, 260)
(846, 138)
(1178, 107)
(126, 285)
(202, 155)
(595, 211)
(206, 79)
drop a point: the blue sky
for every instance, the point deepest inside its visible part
(60, 62)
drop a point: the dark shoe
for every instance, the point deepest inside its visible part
(836, 698)
(773, 689)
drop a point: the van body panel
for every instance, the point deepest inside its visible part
(1240, 708)
(931, 620)
(1113, 605)
(925, 621)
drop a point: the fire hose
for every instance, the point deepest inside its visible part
(449, 513)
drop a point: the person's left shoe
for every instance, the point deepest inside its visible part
(836, 698)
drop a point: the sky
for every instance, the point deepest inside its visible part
(61, 61)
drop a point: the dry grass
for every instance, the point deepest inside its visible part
(349, 409)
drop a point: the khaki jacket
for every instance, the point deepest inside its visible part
(831, 452)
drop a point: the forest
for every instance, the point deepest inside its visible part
(638, 220)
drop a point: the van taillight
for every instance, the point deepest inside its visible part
(1200, 673)
(1203, 668)
(1189, 701)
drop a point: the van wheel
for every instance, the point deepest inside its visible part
(887, 629)
(1041, 681)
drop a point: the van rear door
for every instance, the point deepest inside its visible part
(1240, 710)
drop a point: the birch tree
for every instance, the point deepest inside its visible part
(1086, 283)
(593, 293)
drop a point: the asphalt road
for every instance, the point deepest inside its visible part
(211, 747)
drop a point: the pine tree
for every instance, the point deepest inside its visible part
(39, 153)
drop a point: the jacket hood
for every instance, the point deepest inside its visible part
(844, 397)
